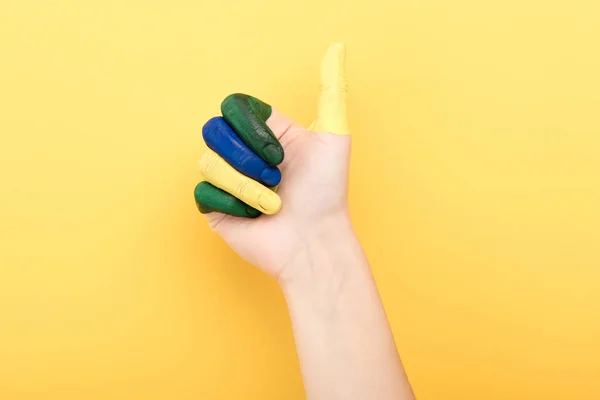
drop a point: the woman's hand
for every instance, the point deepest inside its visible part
(311, 199)
(345, 346)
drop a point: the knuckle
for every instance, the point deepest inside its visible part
(242, 187)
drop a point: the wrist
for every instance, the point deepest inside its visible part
(328, 256)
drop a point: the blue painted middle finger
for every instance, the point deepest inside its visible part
(223, 140)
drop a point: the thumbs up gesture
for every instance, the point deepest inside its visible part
(271, 187)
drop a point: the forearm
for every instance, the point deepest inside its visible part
(345, 346)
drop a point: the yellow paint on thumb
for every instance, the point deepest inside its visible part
(222, 175)
(332, 110)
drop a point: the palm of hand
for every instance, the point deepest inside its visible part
(313, 190)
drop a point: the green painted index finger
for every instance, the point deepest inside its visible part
(247, 116)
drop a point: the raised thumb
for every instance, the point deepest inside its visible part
(332, 110)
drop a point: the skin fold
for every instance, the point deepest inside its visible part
(244, 150)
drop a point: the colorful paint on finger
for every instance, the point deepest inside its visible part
(212, 199)
(224, 141)
(218, 172)
(332, 110)
(247, 116)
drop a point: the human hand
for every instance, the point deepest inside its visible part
(303, 236)
(309, 204)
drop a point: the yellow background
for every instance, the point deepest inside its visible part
(477, 132)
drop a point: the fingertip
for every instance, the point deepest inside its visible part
(200, 197)
(336, 50)
(269, 202)
(271, 176)
(198, 190)
(252, 212)
(333, 65)
(272, 153)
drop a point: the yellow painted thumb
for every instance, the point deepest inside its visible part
(332, 110)
(222, 175)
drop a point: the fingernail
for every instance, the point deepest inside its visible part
(272, 154)
(270, 176)
(269, 202)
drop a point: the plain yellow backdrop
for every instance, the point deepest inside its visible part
(475, 189)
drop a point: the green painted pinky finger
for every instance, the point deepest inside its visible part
(212, 199)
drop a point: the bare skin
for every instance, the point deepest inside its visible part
(344, 342)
